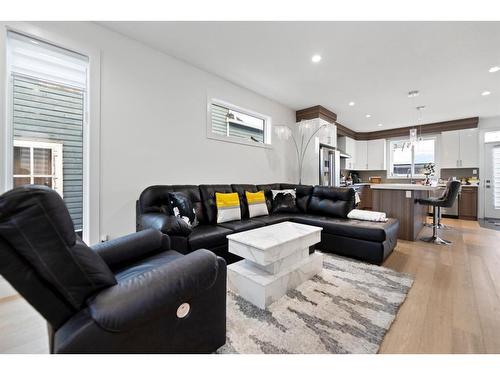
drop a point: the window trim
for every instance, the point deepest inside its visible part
(267, 124)
(92, 124)
(390, 166)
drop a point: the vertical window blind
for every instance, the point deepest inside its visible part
(496, 176)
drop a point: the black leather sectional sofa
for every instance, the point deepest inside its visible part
(326, 207)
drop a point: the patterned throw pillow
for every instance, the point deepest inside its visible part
(228, 207)
(284, 201)
(256, 204)
(181, 207)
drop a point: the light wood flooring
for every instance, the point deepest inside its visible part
(453, 306)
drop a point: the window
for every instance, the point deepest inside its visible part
(231, 123)
(491, 137)
(47, 115)
(407, 160)
(38, 163)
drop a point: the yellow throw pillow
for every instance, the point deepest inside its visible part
(228, 207)
(256, 204)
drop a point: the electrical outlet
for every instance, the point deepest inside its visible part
(408, 193)
(474, 171)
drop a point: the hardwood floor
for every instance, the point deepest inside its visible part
(453, 306)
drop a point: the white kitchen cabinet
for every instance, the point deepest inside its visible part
(361, 159)
(469, 153)
(459, 149)
(348, 145)
(377, 155)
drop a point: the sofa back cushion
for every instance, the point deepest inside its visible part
(193, 193)
(155, 199)
(268, 193)
(332, 201)
(241, 189)
(207, 193)
(303, 195)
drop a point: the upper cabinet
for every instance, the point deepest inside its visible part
(348, 145)
(469, 152)
(370, 155)
(361, 159)
(377, 154)
(459, 149)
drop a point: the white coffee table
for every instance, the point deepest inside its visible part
(276, 260)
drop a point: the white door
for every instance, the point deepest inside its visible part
(450, 149)
(38, 163)
(469, 157)
(492, 180)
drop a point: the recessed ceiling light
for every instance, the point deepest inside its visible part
(485, 93)
(351, 104)
(494, 69)
(379, 125)
(368, 116)
(316, 58)
(413, 93)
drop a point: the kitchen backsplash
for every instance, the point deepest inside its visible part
(445, 175)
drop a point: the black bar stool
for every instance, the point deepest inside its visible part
(446, 200)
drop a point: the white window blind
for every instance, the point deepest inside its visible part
(496, 176)
(35, 58)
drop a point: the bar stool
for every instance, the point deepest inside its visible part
(446, 200)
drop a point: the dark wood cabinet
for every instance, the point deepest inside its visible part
(366, 196)
(467, 203)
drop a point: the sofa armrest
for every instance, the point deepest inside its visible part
(168, 224)
(131, 247)
(156, 293)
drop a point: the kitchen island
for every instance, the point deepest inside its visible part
(398, 201)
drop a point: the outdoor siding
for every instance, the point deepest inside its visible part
(54, 113)
(219, 126)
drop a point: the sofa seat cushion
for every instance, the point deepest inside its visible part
(242, 225)
(145, 265)
(274, 218)
(208, 236)
(363, 230)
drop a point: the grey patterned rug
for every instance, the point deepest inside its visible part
(348, 308)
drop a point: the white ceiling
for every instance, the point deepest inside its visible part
(373, 64)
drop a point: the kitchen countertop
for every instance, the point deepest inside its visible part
(403, 187)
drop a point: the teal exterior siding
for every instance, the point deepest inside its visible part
(48, 112)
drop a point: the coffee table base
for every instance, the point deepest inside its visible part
(262, 288)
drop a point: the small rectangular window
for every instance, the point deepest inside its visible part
(232, 123)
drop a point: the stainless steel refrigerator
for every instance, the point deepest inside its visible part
(329, 165)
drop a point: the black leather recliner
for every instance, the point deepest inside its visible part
(129, 295)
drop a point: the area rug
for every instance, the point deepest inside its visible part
(348, 308)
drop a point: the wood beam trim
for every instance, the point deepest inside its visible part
(316, 112)
(435, 127)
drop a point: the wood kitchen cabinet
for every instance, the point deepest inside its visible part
(366, 196)
(467, 203)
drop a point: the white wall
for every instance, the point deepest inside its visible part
(153, 126)
(485, 124)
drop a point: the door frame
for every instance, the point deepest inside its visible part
(92, 126)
